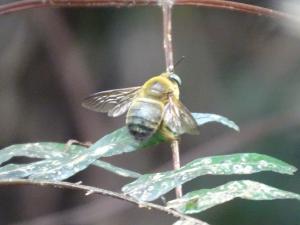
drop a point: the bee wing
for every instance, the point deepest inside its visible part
(115, 102)
(178, 118)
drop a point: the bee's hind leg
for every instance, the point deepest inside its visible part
(75, 142)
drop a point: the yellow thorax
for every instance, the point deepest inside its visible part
(165, 86)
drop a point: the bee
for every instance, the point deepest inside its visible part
(154, 106)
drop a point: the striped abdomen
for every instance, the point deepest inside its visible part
(144, 117)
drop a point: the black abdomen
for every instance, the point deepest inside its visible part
(139, 130)
(143, 118)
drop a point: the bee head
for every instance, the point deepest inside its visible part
(176, 78)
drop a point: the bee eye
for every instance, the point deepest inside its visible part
(176, 78)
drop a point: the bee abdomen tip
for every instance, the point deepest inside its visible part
(140, 132)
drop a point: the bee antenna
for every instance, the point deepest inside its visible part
(179, 61)
(170, 69)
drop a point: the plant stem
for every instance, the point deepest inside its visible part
(167, 36)
(219, 4)
(93, 190)
(176, 164)
(168, 48)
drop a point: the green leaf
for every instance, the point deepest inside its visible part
(151, 186)
(43, 150)
(189, 222)
(60, 162)
(198, 201)
(54, 155)
(117, 170)
(117, 142)
(120, 141)
(14, 171)
(203, 118)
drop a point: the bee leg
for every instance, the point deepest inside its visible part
(75, 142)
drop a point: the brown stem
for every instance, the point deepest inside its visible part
(241, 7)
(219, 4)
(167, 35)
(93, 190)
(168, 48)
(176, 164)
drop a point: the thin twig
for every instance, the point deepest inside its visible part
(219, 4)
(93, 190)
(176, 164)
(167, 36)
(168, 49)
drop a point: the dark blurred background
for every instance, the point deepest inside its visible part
(242, 66)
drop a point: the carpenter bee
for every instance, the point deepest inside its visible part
(154, 106)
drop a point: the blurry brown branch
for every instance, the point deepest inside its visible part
(219, 4)
(72, 69)
(93, 190)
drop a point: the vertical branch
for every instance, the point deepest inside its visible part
(176, 164)
(167, 35)
(168, 48)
